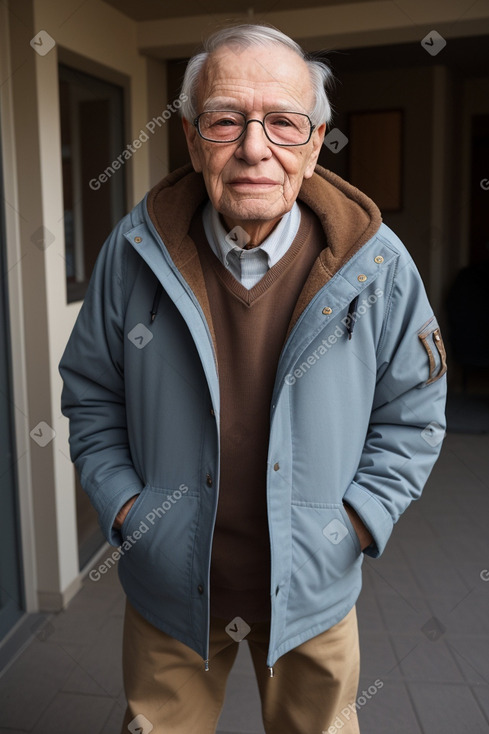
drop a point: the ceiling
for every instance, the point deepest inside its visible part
(469, 55)
(159, 9)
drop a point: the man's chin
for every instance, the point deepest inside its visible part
(253, 210)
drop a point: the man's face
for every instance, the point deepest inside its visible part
(252, 180)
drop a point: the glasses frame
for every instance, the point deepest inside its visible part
(312, 127)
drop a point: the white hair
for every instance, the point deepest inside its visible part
(247, 35)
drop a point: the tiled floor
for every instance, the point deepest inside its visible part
(424, 630)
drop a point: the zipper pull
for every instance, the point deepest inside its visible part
(270, 671)
(206, 666)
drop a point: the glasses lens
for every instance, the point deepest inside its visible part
(287, 128)
(221, 125)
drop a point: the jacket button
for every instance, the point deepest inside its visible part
(208, 479)
(379, 259)
(138, 240)
(212, 412)
(200, 589)
(276, 466)
(327, 310)
(362, 278)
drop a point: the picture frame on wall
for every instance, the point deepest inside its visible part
(375, 163)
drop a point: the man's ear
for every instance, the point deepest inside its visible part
(317, 141)
(193, 146)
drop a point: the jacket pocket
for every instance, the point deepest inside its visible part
(158, 537)
(132, 511)
(325, 549)
(431, 339)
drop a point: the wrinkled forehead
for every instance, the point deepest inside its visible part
(255, 78)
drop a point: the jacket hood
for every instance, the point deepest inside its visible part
(348, 217)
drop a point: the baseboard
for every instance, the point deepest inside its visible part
(56, 601)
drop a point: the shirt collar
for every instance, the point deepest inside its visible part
(274, 246)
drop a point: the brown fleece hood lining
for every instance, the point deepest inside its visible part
(348, 218)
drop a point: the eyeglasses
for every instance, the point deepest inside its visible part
(281, 128)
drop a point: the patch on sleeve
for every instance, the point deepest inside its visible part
(432, 341)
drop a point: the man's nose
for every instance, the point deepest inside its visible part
(254, 144)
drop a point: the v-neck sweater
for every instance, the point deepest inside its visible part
(250, 327)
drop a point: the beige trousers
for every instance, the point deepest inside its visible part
(167, 688)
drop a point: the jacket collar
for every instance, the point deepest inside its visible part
(348, 217)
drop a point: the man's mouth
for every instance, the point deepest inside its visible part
(248, 182)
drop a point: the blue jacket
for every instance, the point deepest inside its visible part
(357, 414)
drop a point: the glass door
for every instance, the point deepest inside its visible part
(11, 595)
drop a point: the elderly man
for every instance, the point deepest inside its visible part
(255, 387)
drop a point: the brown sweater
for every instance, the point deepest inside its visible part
(250, 327)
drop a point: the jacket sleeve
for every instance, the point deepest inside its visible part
(407, 423)
(93, 396)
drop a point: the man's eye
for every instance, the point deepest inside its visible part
(282, 122)
(225, 122)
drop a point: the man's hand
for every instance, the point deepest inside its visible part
(363, 534)
(121, 515)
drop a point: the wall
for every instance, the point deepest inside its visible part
(411, 91)
(475, 101)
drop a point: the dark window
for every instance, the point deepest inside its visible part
(92, 141)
